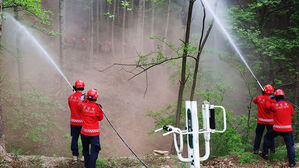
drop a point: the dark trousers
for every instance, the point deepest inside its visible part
(259, 134)
(288, 140)
(75, 133)
(90, 157)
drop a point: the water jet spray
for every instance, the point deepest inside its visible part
(45, 53)
(38, 44)
(231, 41)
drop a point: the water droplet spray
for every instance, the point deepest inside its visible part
(38, 44)
(207, 5)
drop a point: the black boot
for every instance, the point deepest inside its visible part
(264, 156)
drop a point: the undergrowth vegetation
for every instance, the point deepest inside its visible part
(31, 122)
(237, 139)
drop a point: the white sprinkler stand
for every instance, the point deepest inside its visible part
(192, 132)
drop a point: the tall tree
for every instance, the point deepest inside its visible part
(167, 20)
(2, 143)
(98, 21)
(201, 44)
(184, 61)
(19, 57)
(143, 23)
(61, 8)
(153, 21)
(297, 83)
(124, 28)
(112, 28)
(91, 37)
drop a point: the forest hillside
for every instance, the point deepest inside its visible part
(149, 65)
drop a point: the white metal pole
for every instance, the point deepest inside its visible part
(206, 127)
(196, 153)
(189, 128)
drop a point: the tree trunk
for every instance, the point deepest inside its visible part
(297, 83)
(142, 29)
(131, 21)
(124, 32)
(183, 72)
(61, 36)
(101, 10)
(184, 61)
(248, 119)
(91, 29)
(19, 58)
(97, 26)
(117, 14)
(153, 23)
(167, 23)
(112, 29)
(2, 142)
(140, 23)
(201, 45)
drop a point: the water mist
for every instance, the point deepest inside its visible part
(38, 45)
(231, 41)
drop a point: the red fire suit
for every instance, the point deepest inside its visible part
(282, 115)
(73, 100)
(265, 116)
(92, 114)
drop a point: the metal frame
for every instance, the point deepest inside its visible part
(192, 132)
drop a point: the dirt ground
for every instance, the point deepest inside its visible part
(152, 160)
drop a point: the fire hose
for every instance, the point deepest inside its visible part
(122, 138)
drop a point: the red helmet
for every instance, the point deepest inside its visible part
(92, 94)
(279, 92)
(79, 84)
(268, 89)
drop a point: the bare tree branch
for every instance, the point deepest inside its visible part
(287, 84)
(155, 64)
(115, 64)
(146, 78)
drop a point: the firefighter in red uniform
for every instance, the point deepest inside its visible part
(76, 118)
(264, 118)
(92, 114)
(282, 126)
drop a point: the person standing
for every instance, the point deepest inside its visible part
(92, 114)
(76, 118)
(282, 126)
(264, 118)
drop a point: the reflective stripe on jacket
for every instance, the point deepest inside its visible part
(92, 114)
(265, 115)
(266, 120)
(76, 121)
(73, 100)
(282, 126)
(90, 130)
(282, 116)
